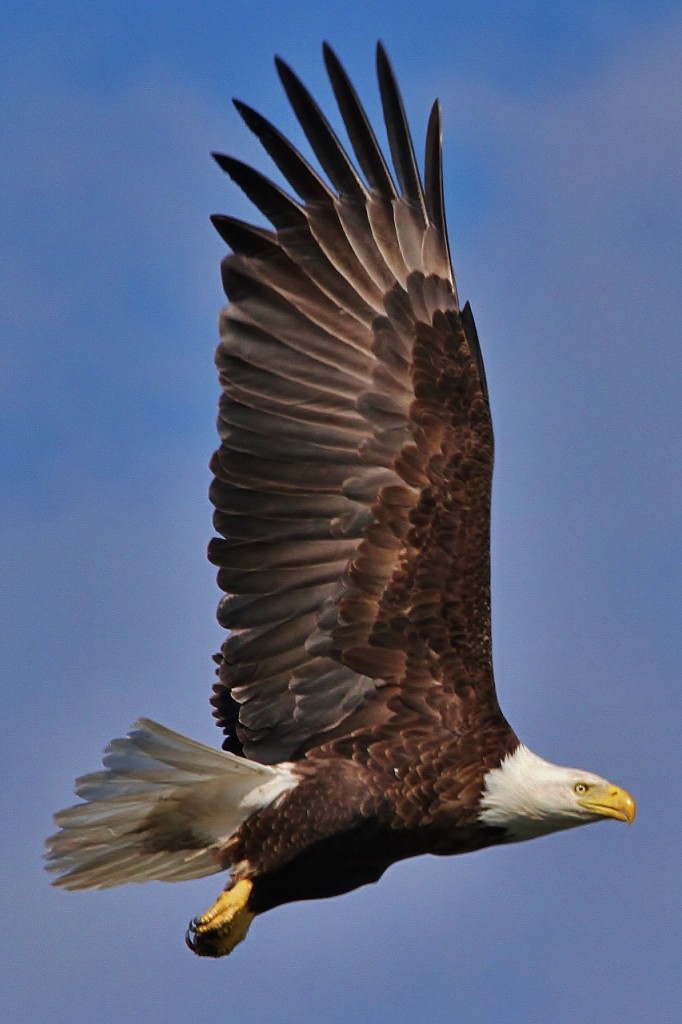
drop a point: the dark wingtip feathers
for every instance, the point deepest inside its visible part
(427, 197)
(399, 138)
(280, 209)
(298, 172)
(321, 136)
(433, 175)
(358, 127)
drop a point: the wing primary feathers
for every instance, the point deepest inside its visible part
(399, 138)
(245, 238)
(433, 170)
(433, 181)
(280, 209)
(469, 325)
(295, 168)
(321, 135)
(360, 132)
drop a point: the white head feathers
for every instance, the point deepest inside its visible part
(531, 797)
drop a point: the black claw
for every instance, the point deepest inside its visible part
(191, 935)
(200, 944)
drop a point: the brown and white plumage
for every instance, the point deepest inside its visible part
(352, 493)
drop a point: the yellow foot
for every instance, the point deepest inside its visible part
(221, 928)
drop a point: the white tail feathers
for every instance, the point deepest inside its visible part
(162, 809)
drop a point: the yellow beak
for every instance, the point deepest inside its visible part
(610, 802)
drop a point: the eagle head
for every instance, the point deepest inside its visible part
(528, 797)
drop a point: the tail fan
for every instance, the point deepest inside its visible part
(162, 809)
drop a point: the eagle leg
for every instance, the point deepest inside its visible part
(221, 928)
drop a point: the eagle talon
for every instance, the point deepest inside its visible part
(191, 935)
(224, 925)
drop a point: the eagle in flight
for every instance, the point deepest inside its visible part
(352, 497)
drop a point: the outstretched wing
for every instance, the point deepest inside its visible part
(352, 485)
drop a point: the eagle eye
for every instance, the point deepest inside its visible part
(580, 788)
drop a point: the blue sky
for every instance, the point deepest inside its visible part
(563, 158)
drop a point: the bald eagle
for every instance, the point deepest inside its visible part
(352, 497)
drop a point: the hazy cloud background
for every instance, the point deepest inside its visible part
(563, 158)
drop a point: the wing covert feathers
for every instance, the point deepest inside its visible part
(352, 484)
